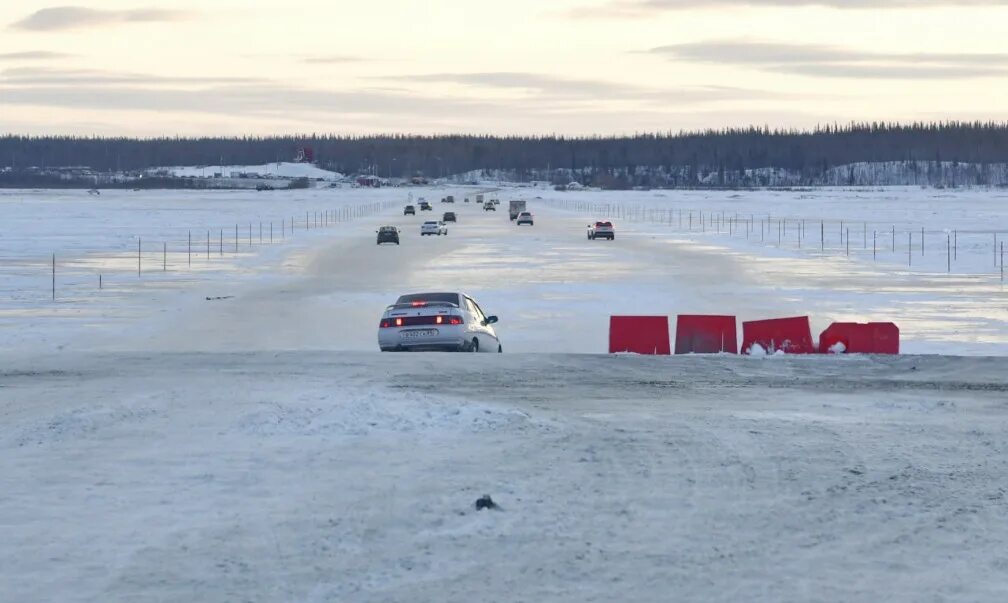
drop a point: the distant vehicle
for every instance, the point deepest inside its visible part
(424, 206)
(479, 199)
(524, 218)
(489, 206)
(264, 187)
(514, 208)
(388, 234)
(442, 199)
(449, 199)
(433, 227)
(449, 216)
(409, 210)
(467, 199)
(601, 230)
(451, 322)
(496, 201)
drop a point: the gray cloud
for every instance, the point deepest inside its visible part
(504, 102)
(642, 8)
(92, 77)
(560, 88)
(833, 61)
(332, 60)
(276, 102)
(58, 18)
(102, 90)
(33, 55)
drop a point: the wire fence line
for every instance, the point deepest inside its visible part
(193, 252)
(828, 236)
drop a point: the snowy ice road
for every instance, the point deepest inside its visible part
(337, 476)
(230, 432)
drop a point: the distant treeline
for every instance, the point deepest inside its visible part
(809, 153)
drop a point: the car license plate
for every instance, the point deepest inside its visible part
(418, 333)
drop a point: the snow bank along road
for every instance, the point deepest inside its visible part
(332, 476)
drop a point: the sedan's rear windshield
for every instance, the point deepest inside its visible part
(451, 298)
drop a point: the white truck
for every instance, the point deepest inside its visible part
(515, 208)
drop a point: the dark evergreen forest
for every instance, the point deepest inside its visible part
(809, 152)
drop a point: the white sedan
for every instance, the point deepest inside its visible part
(451, 322)
(433, 227)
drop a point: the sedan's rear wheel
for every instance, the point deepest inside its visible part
(500, 350)
(474, 347)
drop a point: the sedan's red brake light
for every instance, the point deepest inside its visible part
(418, 304)
(413, 321)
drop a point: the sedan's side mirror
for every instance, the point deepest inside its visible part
(490, 320)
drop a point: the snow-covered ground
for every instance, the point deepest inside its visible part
(280, 169)
(227, 431)
(351, 477)
(324, 288)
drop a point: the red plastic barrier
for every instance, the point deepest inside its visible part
(792, 335)
(704, 334)
(639, 334)
(860, 338)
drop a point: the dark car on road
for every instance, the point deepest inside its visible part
(409, 211)
(449, 216)
(388, 234)
(425, 206)
(601, 230)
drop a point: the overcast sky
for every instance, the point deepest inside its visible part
(188, 67)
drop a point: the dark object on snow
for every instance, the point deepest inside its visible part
(485, 502)
(219, 297)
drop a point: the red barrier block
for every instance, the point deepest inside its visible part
(639, 334)
(791, 335)
(860, 338)
(705, 334)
